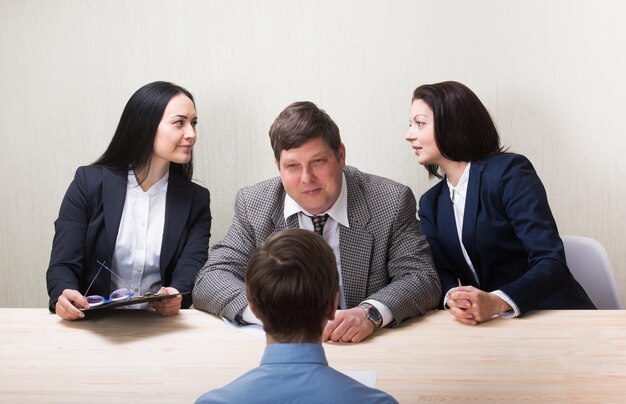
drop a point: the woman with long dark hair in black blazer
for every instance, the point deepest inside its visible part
(493, 238)
(135, 211)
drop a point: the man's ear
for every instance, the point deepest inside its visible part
(277, 164)
(342, 153)
(333, 308)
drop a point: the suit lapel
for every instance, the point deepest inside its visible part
(292, 222)
(355, 245)
(470, 216)
(177, 208)
(446, 225)
(113, 198)
(278, 216)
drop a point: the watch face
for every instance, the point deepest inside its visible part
(374, 314)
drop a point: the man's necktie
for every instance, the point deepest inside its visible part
(318, 223)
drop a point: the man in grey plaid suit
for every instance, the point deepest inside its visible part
(385, 268)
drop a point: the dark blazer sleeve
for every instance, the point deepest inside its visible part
(69, 243)
(525, 202)
(194, 246)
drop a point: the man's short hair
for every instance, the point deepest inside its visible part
(291, 283)
(300, 122)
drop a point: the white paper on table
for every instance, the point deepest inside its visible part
(254, 330)
(367, 377)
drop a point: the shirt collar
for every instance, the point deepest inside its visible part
(158, 186)
(461, 186)
(294, 353)
(339, 210)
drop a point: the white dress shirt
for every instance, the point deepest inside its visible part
(138, 246)
(337, 215)
(458, 196)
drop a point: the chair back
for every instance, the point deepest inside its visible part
(589, 263)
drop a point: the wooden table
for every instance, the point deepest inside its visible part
(139, 357)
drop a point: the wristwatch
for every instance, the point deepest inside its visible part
(372, 314)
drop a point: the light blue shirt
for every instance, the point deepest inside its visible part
(295, 373)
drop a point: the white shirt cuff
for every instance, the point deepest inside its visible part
(383, 310)
(445, 299)
(511, 313)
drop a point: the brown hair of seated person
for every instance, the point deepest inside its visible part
(292, 285)
(300, 122)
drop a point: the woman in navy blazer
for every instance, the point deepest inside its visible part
(511, 258)
(150, 150)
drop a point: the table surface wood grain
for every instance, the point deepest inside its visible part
(138, 356)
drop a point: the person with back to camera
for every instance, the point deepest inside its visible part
(488, 221)
(386, 273)
(292, 285)
(134, 211)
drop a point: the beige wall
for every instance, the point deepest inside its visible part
(551, 73)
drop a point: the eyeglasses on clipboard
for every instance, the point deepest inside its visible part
(122, 296)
